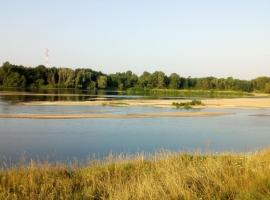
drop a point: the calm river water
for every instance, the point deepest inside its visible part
(65, 139)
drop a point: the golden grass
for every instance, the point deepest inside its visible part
(163, 176)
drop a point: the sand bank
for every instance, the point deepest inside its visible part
(114, 116)
(208, 103)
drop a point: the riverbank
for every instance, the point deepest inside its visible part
(206, 103)
(162, 176)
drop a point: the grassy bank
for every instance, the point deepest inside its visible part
(190, 93)
(164, 176)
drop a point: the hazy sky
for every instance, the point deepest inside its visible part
(190, 37)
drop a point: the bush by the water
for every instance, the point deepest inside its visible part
(187, 105)
(162, 176)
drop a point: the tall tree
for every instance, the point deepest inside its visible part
(66, 78)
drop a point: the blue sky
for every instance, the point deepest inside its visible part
(190, 37)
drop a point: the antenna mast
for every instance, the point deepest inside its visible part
(47, 57)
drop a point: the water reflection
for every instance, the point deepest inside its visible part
(25, 95)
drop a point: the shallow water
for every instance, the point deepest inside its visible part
(65, 139)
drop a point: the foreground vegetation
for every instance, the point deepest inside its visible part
(42, 77)
(163, 176)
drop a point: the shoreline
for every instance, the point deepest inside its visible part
(113, 116)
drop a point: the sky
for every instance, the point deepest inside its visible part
(190, 37)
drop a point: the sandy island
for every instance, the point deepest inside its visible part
(207, 103)
(114, 116)
(262, 102)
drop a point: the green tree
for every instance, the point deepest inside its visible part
(267, 88)
(189, 83)
(174, 81)
(206, 83)
(6, 67)
(144, 80)
(130, 79)
(52, 76)
(66, 78)
(83, 78)
(260, 83)
(14, 79)
(123, 80)
(41, 72)
(158, 80)
(102, 82)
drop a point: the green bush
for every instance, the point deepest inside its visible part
(187, 105)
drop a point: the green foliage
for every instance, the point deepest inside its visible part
(83, 78)
(187, 105)
(102, 82)
(156, 83)
(53, 76)
(92, 85)
(38, 83)
(144, 79)
(260, 83)
(123, 80)
(175, 81)
(14, 79)
(267, 88)
(66, 78)
(157, 80)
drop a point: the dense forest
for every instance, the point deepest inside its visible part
(42, 77)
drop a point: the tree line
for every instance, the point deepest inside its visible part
(41, 76)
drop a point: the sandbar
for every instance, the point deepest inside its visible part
(207, 103)
(113, 116)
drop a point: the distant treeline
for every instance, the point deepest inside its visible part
(42, 77)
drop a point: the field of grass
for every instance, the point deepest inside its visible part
(162, 176)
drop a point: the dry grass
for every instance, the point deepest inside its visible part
(163, 176)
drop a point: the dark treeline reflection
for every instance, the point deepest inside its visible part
(25, 98)
(62, 94)
(41, 77)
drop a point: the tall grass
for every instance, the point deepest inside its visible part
(163, 176)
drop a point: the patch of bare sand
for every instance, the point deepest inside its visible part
(238, 103)
(207, 103)
(114, 116)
